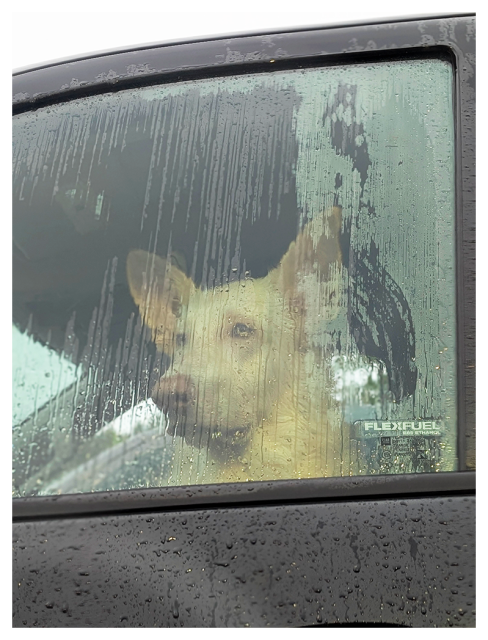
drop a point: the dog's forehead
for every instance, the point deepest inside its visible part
(238, 294)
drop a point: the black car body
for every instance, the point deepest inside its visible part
(384, 548)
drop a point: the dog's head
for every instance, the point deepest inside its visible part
(236, 349)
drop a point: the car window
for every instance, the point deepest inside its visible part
(236, 279)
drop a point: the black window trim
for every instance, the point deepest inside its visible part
(245, 494)
(61, 81)
(247, 34)
(110, 71)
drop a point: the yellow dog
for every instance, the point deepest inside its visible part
(248, 391)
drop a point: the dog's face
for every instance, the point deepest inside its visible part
(236, 350)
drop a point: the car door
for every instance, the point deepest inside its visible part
(243, 307)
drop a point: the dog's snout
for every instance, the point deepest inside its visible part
(172, 392)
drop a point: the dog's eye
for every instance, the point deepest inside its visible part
(241, 330)
(180, 339)
(176, 307)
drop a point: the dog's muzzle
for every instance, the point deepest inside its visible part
(173, 395)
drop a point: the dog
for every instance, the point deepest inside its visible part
(249, 394)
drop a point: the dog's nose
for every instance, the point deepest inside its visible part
(173, 392)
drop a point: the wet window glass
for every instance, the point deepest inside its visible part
(236, 279)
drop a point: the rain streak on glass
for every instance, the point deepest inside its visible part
(236, 279)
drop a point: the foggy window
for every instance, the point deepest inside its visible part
(236, 279)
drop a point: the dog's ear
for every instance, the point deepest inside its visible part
(315, 252)
(161, 291)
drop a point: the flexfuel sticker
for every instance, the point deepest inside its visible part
(395, 428)
(400, 446)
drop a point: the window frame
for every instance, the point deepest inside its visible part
(240, 54)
